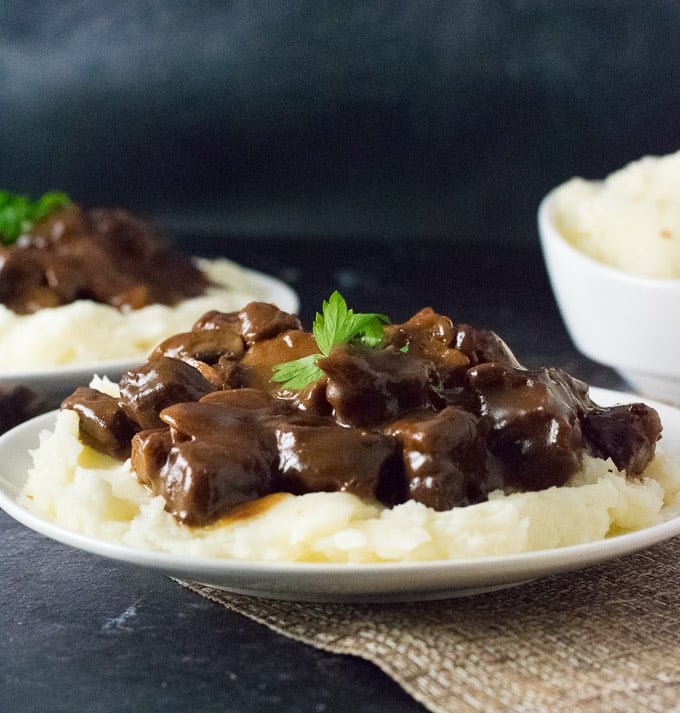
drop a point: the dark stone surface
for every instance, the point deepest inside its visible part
(80, 634)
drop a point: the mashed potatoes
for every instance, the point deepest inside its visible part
(631, 220)
(83, 332)
(85, 491)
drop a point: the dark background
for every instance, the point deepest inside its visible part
(395, 121)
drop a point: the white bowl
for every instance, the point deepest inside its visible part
(625, 321)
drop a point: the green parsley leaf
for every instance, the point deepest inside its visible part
(335, 325)
(18, 212)
(298, 373)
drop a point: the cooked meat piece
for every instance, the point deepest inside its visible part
(160, 382)
(627, 434)
(104, 425)
(316, 455)
(214, 319)
(260, 321)
(431, 336)
(368, 388)
(221, 455)
(205, 345)
(482, 346)
(532, 420)
(149, 453)
(445, 457)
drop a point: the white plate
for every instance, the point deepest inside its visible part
(341, 582)
(55, 382)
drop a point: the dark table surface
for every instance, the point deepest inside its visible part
(79, 633)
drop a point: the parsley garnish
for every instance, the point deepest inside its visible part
(18, 213)
(335, 325)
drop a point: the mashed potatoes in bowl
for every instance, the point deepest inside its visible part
(612, 252)
(630, 220)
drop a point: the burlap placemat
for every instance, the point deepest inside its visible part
(605, 639)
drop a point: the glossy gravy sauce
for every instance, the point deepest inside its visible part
(441, 413)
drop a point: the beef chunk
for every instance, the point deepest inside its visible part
(149, 452)
(104, 425)
(205, 345)
(431, 336)
(260, 320)
(221, 456)
(482, 346)
(445, 457)
(627, 434)
(532, 420)
(214, 319)
(160, 382)
(317, 455)
(367, 388)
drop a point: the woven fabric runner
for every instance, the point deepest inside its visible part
(602, 640)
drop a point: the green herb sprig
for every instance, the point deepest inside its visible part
(18, 212)
(335, 325)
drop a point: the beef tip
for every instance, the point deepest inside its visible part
(221, 455)
(214, 319)
(135, 248)
(260, 320)
(626, 433)
(431, 336)
(104, 425)
(256, 368)
(316, 455)
(533, 422)
(205, 345)
(201, 482)
(368, 387)
(62, 225)
(225, 373)
(445, 458)
(243, 402)
(149, 452)
(148, 389)
(482, 346)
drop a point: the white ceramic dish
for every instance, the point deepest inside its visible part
(616, 318)
(339, 582)
(54, 383)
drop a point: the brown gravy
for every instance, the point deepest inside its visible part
(440, 413)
